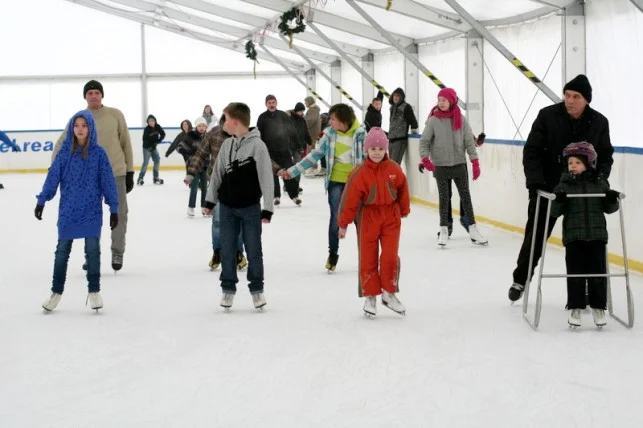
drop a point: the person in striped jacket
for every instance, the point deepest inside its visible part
(343, 146)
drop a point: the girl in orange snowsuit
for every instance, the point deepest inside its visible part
(377, 197)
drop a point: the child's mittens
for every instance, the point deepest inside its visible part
(113, 221)
(342, 232)
(476, 168)
(38, 211)
(480, 139)
(426, 162)
(560, 197)
(612, 196)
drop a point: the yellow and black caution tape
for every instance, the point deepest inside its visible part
(346, 94)
(380, 88)
(312, 91)
(434, 79)
(524, 70)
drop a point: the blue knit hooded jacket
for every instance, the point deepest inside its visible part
(83, 184)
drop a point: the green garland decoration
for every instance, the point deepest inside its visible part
(285, 24)
(251, 53)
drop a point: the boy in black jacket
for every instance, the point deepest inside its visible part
(584, 230)
(152, 135)
(242, 174)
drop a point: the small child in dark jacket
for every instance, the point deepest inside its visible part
(584, 230)
(83, 172)
(152, 135)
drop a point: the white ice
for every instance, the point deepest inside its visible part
(162, 353)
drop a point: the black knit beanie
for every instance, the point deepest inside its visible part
(93, 84)
(580, 84)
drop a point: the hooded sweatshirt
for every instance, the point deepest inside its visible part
(83, 185)
(242, 173)
(180, 137)
(401, 117)
(152, 135)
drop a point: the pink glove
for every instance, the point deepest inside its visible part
(476, 168)
(428, 164)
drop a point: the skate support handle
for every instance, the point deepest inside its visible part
(550, 197)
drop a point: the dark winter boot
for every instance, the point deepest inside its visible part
(515, 291)
(158, 181)
(241, 261)
(216, 260)
(117, 261)
(1, 186)
(331, 262)
(140, 182)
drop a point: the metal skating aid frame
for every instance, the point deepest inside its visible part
(626, 274)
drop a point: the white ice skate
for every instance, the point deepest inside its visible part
(258, 300)
(391, 301)
(370, 306)
(226, 300)
(574, 318)
(51, 303)
(599, 317)
(443, 236)
(190, 212)
(95, 301)
(476, 236)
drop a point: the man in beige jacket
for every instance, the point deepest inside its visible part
(113, 136)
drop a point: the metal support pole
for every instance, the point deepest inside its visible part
(311, 80)
(336, 68)
(144, 103)
(336, 74)
(475, 81)
(368, 64)
(347, 58)
(411, 81)
(281, 63)
(408, 55)
(574, 41)
(503, 50)
(638, 4)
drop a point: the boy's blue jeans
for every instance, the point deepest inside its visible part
(92, 256)
(154, 154)
(200, 182)
(335, 190)
(216, 231)
(233, 222)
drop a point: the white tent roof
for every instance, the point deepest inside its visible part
(230, 23)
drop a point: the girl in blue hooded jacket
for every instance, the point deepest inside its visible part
(83, 172)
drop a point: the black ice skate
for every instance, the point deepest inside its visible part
(117, 262)
(140, 182)
(158, 181)
(331, 262)
(1, 186)
(515, 291)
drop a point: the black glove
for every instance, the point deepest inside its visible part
(113, 221)
(480, 139)
(612, 196)
(129, 181)
(561, 197)
(266, 215)
(38, 211)
(533, 190)
(421, 168)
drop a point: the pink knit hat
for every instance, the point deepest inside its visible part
(376, 137)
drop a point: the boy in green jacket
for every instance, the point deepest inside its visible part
(584, 230)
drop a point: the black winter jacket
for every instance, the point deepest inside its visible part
(277, 131)
(152, 135)
(301, 128)
(373, 116)
(552, 131)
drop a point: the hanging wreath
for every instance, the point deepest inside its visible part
(251, 53)
(389, 3)
(286, 25)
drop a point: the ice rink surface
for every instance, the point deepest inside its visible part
(162, 353)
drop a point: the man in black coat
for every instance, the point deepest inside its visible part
(279, 134)
(556, 126)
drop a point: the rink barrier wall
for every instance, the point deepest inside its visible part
(499, 195)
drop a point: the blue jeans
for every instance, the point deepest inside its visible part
(216, 231)
(335, 190)
(234, 221)
(92, 256)
(154, 154)
(200, 182)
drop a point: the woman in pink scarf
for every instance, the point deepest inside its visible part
(445, 139)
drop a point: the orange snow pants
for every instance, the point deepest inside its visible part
(378, 226)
